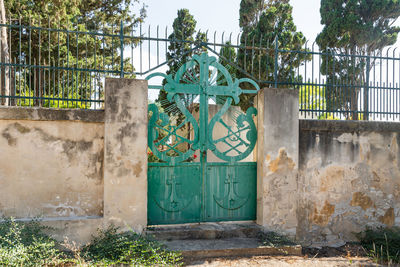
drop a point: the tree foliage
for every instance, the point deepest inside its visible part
(180, 50)
(185, 42)
(62, 49)
(263, 22)
(362, 27)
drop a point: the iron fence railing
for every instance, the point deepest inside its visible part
(58, 67)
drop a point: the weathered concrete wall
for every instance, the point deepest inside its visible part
(349, 179)
(80, 170)
(77, 170)
(277, 159)
(125, 171)
(50, 165)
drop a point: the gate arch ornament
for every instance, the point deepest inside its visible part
(202, 76)
(181, 189)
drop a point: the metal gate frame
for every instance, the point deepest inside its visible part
(184, 192)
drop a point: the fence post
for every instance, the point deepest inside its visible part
(366, 91)
(121, 38)
(276, 63)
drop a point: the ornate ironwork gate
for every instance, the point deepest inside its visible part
(184, 186)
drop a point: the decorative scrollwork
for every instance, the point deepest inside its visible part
(239, 141)
(205, 77)
(160, 145)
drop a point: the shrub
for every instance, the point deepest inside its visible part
(111, 247)
(25, 244)
(382, 244)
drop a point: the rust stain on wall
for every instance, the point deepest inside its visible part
(332, 176)
(396, 191)
(137, 169)
(282, 162)
(362, 200)
(322, 217)
(388, 218)
(376, 180)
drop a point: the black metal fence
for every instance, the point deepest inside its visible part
(65, 68)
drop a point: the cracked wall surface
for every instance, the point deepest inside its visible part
(51, 169)
(77, 170)
(320, 182)
(349, 179)
(277, 159)
(125, 172)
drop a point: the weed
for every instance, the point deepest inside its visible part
(25, 244)
(382, 244)
(111, 247)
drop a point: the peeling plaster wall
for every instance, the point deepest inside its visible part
(77, 170)
(277, 159)
(50, 169)
(349, 179)
(125, 157)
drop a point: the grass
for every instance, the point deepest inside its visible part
(382, 244)
(27, 244)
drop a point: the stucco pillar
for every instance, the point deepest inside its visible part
(125, 155)
(277, 159)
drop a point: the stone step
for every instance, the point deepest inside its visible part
(229, 247)
(208, 240)
(204, 231)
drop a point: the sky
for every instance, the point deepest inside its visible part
(223, 15)
(220, 16)
(217, 16)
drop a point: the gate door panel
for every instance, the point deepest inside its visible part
(174, 194)
(230, 191)
(183, 186)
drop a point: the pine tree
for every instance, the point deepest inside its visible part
(362, 27)
(41, 47)
(263, 22)
(179, 52)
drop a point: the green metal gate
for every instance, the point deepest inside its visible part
(183, 186)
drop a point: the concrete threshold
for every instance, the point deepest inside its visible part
(211, 240)
(229, 247)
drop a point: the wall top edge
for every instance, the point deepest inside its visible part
(47, 114)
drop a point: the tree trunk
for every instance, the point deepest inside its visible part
(355, 90)
(4, 58)
(354, 104)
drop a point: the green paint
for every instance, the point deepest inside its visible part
(174, 194)
(182, 192)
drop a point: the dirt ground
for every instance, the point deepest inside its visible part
(284, 261)
(348, 255)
